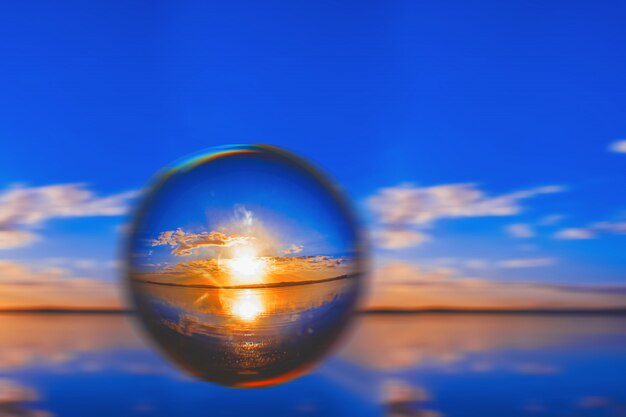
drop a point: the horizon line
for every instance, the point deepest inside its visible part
(369, 311)
(246, 286)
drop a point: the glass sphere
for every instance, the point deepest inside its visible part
(244, 265)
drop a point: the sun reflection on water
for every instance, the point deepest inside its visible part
(247, 305)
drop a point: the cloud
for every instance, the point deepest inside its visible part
(526, 263)
(527, 230)
(25, 286)
(16, 238)
(592, 231)
(24, 208)
(520, 231)
(183, 243)
(575, 234)
(550, 219)
(448, 265)
(406, 285)
(618, 146)
(83, 264)
(397, 238)
(245, 216)
(419, 206)
(218, 272)
(407, 207)
(535, 369)
(476, 263)
(293, 249)
(594, 401)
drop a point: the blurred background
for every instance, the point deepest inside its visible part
(483, 146)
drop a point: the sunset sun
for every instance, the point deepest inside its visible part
(245, 267)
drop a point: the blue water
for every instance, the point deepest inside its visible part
(421, 365)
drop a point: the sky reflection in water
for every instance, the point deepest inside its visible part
(421, 365)
(247, 337)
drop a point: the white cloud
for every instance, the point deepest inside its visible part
(592, 231)
(575, 234)
(24, 208)
(293, 249)
(423, 205)
(550, 220)
(184, 243)
(520, 230)
(398, 238)
(75, 263)
(611, 227)
(476, 264)
(245, 216)
(406, 207)
(618, 146)
(526, 262)
(527, 230)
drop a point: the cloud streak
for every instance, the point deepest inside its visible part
(293, 249)
(408, 285)
(526, 263)
(592, 231)
(402, 209)
(25, 208)
(24, 286)
(217, 272)
(618, 146)
(520, 231)
(398, 238)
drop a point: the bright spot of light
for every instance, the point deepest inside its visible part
(247, 305)
(245, 267)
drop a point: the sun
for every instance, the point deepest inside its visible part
(245, 267)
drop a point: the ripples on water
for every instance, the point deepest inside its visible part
(419, 365)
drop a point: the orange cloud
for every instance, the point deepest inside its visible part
(183, 243)
(405, 285)
(216, 272)
(23, 286)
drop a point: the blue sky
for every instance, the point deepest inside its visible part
(379, 95)
(254, 195)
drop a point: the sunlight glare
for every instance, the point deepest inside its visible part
(245, 267)
(247, 306)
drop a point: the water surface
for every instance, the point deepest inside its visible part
(410, 365)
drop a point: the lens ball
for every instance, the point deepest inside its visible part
(244, 265)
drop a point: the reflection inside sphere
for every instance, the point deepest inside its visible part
(244, 265)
